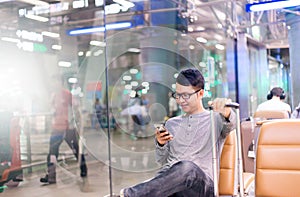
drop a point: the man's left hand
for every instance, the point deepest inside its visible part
(219, 106)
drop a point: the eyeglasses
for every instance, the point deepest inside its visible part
(185, 96)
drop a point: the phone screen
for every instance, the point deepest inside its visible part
(161, 128)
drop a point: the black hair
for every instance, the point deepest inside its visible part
(277, 91)
(191, 76)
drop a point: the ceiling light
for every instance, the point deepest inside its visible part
(36, 2)
(219, 46)
(72, 80)
(134, 83)
(64, 64)
(202, 64)
(133, 71)
(190, 29)
(192, 47)
(127, 78)
(128, 87)
(99, 3)
(79, 4)
(97, 29)
(7, 39)
(2, 1)
(134, 50)
(50, 34)
(202, 40)
(97, 43)
(88, 54)
(124, 3)
(80, 53)
(271, 5)
(37, 18)
(200, 28)
(132, 94)
(99, 52)
(145, 84)
(218, 37)
(56, 47)
(144, 91)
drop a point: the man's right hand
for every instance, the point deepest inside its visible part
(162, 137)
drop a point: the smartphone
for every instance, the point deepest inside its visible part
(161, 128)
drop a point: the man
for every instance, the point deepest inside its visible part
(185, 148)
(61, 102)
(275, 102)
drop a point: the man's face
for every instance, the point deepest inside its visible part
(193, 103)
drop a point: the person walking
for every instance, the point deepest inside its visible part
(62, 105)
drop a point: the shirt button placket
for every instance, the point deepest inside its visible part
(189, 127)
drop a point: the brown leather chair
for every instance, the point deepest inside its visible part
(271, 114)
(277, 159)
(228, 166)
(250, 131)
(228, 184)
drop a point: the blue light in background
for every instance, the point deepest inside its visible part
(271, 5)
(97, 29)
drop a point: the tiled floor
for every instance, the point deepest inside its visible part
(69, 183)
(132, 162)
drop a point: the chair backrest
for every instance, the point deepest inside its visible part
(277, 159)
(271, 114)
(228, 166)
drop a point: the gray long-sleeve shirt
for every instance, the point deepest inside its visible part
(192, 139)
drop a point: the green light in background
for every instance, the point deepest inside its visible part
(207, 94)
(138, 76)
(39, 47)
(126, 92)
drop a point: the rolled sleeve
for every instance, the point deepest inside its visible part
(161, 153)
(229, 123)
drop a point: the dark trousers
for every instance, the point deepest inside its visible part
(183, 179)
(99, 118)
(138, 123)
(71, 137)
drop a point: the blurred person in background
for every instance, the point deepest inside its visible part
(61, 102)
(99, 111)
(137, 117)
(275, 101)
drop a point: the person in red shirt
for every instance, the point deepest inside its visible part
(62, 105)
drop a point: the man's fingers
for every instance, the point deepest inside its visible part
(219, 103)
(228, 101)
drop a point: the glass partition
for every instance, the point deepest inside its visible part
(116, 69)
